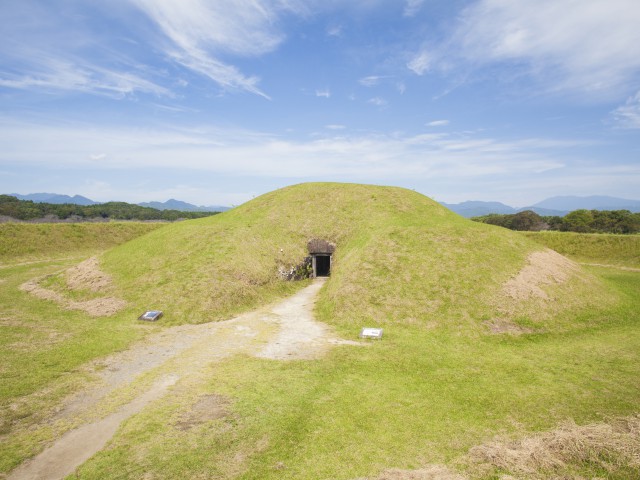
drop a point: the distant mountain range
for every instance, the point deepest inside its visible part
(181, 206)
(80, 200)
(559, 206)
(54, 198)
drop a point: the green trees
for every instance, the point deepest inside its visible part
(526, 220)
(28, 210)
(577, 221)
(584, 221)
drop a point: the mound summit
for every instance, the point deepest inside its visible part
(400, 258)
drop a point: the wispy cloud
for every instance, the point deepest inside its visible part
(371, 80)
(628, 115)
(324, 93)
(581, 46)
(372, 156)
(334, 31)
(58, 74)
(201, 33)
(44, 51)
(378, 101)
(438, 123)
(420, 63)
(412, 7)
(442, 162)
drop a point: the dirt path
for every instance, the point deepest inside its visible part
(617, 267)
(174, 355)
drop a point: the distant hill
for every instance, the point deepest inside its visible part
(595, 202)
(549, 212)
(554, 206)
(476, 208)
(14, 209)
(173, 204)
(55, 198)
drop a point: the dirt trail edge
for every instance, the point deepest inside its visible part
(175, 353)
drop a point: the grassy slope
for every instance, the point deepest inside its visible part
(401, 258)
(621, 250)
(436, 385)
(24, 241)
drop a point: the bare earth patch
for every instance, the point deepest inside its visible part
(84, 276)
(207, 408)
(432, 472)
(88, 276)
(499, 326)
(97, 307)
(543, 268)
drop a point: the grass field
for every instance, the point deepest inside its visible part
(609, 249)
(21, 242)
(437, 386)
(43, 347)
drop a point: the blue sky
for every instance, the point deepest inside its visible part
(218, 101)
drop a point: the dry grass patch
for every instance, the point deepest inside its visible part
(432, 472)
(206, 409)
(609, 447)
(88, 276)
(499, 326)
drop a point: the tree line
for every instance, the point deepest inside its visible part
(27, 210)
(584, 221)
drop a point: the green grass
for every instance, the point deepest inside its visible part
(415, 398)
(608, 249)
(436, 385)
(400, 258)
(43, 348)
(21, 242)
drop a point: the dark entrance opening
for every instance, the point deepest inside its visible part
(321, 251)
(323, 265)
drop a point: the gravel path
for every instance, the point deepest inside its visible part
(176, 353)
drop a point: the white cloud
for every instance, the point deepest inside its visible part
(628, 115)
(443, 163)
(420, 63)
(438, 123)
(580, 45)
(335, 127)
(377, 101)
(202, 32)
(49, 70)
(205, 149)
(334, 31)
(325, 93)
(370, 81)
(412, 7)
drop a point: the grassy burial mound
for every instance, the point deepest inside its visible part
(494, 347)
(401, 259)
